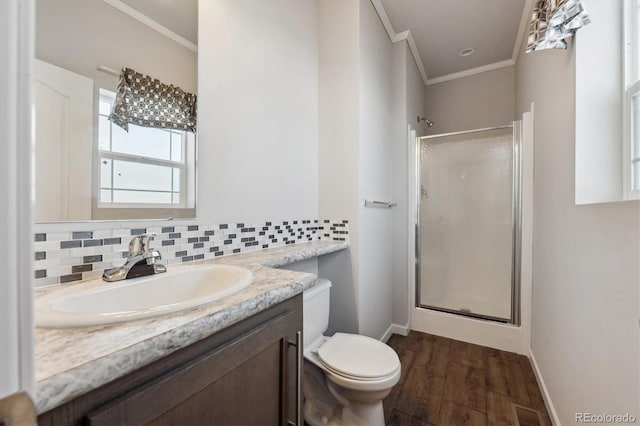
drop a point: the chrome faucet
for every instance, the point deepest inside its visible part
(142, 261)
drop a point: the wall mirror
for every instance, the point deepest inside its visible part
(86, 167)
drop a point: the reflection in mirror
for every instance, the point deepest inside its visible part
(88, 168)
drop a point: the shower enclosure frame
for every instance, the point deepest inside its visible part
(516, 215)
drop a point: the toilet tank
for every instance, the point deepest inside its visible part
(316, 310)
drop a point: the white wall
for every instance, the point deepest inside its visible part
(415, 92)
(338, 151)
(399, 280)
(412, 92)
(379, 136)
(258, 110)
(585, 260)
(362, 152)
(16, 255)
(477, 101)
(598, 95)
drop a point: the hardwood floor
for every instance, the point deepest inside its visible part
(451, 383)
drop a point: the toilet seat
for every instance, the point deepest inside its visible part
(356, 362)
(359, 357)
(352, 377)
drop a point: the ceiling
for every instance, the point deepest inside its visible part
(441, 29)
(181, 17)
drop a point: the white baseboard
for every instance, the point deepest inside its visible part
(402, 330)
(385, 336)
(551, 409)
(394, 329)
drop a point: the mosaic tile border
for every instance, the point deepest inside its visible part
(62, 257)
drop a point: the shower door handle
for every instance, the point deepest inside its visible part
(424, 192)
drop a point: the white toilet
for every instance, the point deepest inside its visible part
(346, 376)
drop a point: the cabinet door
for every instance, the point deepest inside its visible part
(246, 381)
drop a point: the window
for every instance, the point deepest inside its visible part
(631, 98)
(145, 167)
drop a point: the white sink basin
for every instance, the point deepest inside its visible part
(99, 303)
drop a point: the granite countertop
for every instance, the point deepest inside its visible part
(71, 362)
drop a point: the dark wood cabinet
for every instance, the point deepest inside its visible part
(247, 374)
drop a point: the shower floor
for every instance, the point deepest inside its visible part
(447, 382)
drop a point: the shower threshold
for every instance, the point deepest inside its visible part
(465, 312)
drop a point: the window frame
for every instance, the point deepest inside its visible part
(630, 89)
(184, 209)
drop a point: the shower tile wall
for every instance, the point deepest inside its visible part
(62, 257)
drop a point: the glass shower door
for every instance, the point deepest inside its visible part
(466, 223)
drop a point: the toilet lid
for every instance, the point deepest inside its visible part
(358, 356)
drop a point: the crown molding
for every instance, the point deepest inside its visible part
(382, 14)
(398, 37)
(471, 71)
(522, 29)
(155, 25)
(406, 35)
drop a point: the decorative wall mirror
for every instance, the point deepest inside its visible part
(87, 167)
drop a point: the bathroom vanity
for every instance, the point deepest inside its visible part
(235, 361)
(245, 374)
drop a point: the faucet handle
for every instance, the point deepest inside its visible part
(140, 243)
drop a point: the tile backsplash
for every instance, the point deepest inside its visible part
(62, 257)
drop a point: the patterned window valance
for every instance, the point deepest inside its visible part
(552, 21)
(145, 101)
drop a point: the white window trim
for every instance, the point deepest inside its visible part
(185, 172)
(629, 159)
(631, 87)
